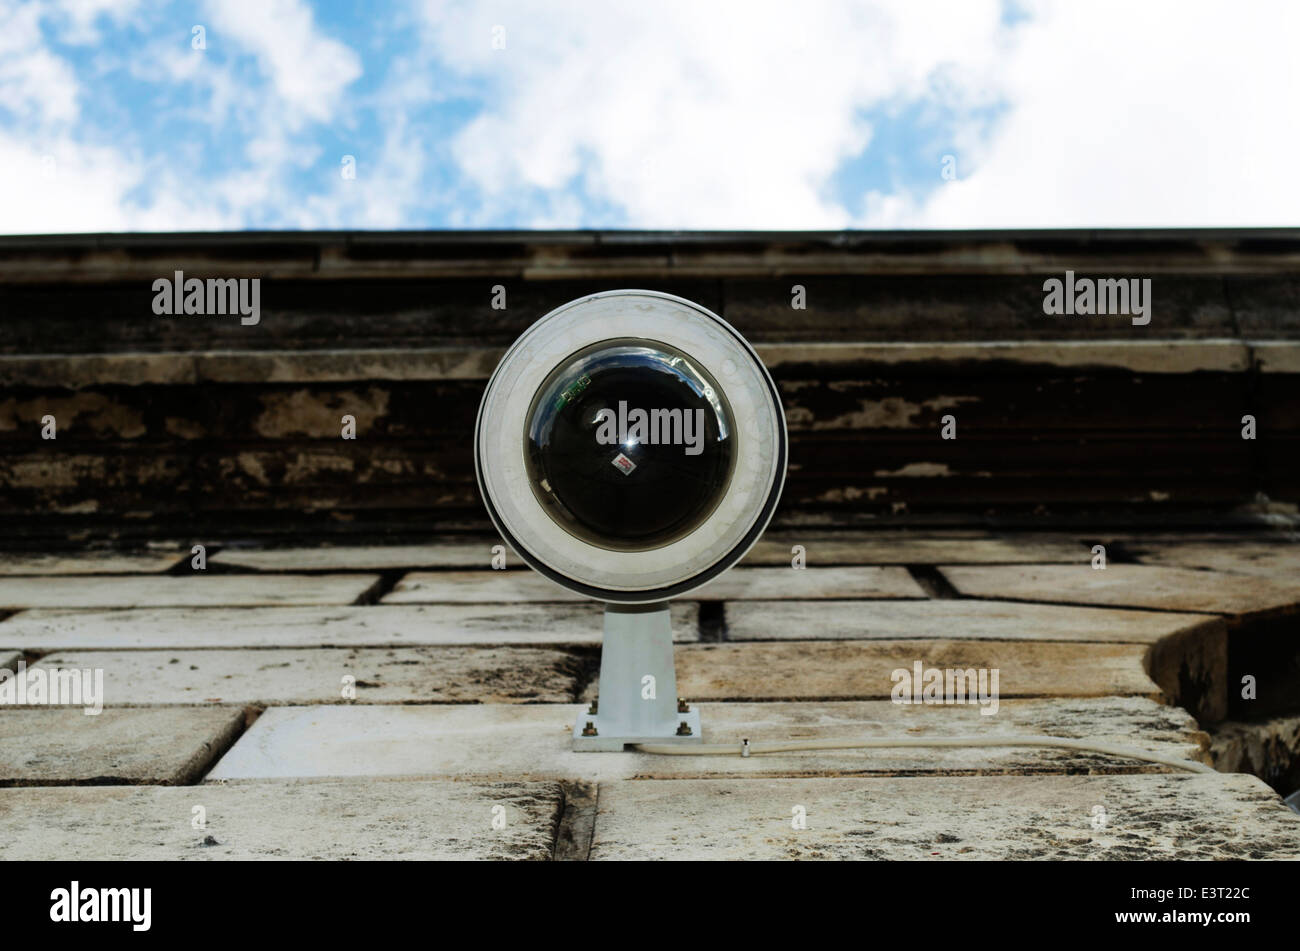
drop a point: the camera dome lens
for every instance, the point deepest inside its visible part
(629, 445)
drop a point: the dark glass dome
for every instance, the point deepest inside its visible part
(629, 445)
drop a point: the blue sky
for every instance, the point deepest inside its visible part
(125, 115)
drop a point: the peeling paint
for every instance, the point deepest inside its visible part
(922, 469)
(305, 466)
(94, 411)
(305, 412)
(250, 464)
(853, 494)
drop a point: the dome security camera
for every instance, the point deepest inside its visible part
(631, 447)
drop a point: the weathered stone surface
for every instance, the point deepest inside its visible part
(182, 591)
(901, 548)
(1267, 748)
(457, 553)
(857, 581)
(956, 619)
(1163, 356)
(464, 691)
(346, 820)
(87, 563)
(1277, 356)
(9, 659)
(477, 587)
(1122, 585)
(54, 746)
(497, 741)
(367, 626)
(860, 670)
(477, 363)
(577, 822)
(922, 817)
(1191, 668)
(1223, 537)
(273, 676)
(736, 584)
(1278, 560)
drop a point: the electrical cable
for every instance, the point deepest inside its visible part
(746, 748)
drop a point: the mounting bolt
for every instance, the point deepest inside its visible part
(683, 706)
(589, 729)
(683, 729)
(591, 710)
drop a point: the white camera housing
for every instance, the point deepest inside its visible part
(752, 488)
(625, 508)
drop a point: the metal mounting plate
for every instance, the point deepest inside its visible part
(637, 701)
(616, 744)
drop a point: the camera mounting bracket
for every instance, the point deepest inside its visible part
(638, 700)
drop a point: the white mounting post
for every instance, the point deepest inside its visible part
(638, 685)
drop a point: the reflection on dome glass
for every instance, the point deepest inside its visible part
(629, 445)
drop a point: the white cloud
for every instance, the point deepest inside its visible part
(720, 114)
(386, 187)
(62, 173)
(308, 70)
(36, 86)
(77, 20)
(71, 186)
(689, 114)
(1175, 114)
